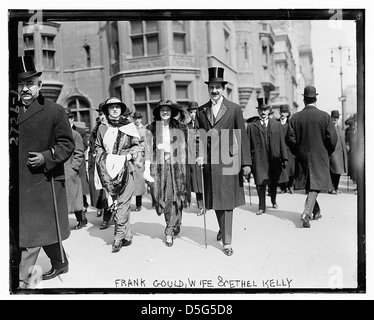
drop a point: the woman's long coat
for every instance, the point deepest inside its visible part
(74, 190)
(338, 160)
(42, 127)
(312, 139)
(267, 165)
(226, 153)
(290, 169)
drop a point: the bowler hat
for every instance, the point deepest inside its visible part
(262, 103)
(127, 112)
(335, 114)
(69, 113)
(216, 75)
(310, 92)
(112, 101)
(174, 109)
(284, 108)
(26, 68)
(192, 105)
(137, 115)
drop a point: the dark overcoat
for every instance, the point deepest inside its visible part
(290, 169)
(267, 164)
(73, 180)
(338, 160)
(42, 127)
(83, 167)
(193, 149)
(312, 138)
(226, 153)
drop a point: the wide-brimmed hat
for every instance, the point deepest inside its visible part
(26, 68)
(335, 114)
(111, 101)
(310, 92)
(137, 115)
(192, 105)
(262, 103)
(216, 75)
(69, 113)
(174, 108)
(100, 108)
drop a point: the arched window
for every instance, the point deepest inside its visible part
(81, 108)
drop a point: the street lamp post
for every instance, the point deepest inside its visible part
(342, 98)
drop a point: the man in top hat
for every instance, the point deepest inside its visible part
(45, 143)
(289, 171)
(338, 160)
(195, 174)
(227, 155)
(139, 181)
(312, 139)
(269, 154)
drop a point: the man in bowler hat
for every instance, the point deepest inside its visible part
(45, 143)
(269, 154)
(312, 138)
(226, 140)
(338, 160)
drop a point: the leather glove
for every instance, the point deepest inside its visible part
(147, 171)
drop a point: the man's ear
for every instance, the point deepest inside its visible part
(40, 84)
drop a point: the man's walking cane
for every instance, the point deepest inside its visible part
(56, 218)
(249, 188)
(204, 209)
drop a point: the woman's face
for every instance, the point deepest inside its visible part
(165, 113)
(114, 111)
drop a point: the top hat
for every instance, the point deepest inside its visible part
(216, 75)
(137, 115)
(26, 68)
(284, 108)
(174, 109)
(262, 103)
(335, 114)
(69, 113)
(111, 101)
(310, 92)
(193, 105)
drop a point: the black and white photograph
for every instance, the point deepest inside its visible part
(192, 152)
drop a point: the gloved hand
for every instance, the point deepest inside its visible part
(246, 170)
(200, 161)
(147, 171)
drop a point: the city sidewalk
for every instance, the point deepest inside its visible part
(271, 251)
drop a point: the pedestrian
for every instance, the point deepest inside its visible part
(269, 154)
(338, 160)
(73, 181)
(290, 168)
(312, 138)
(139, 182)
(227, 153)
(352, 145)
(166, 168)
(115, 146)
(127, 114)
(45, 143)
(195, 170)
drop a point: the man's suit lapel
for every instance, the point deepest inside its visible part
(209, 113)
(33, 109)
(221, 112)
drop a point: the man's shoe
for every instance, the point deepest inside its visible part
(104, 225)
(260, 212)
(53, 273)
(228, 251)
(169, 241)
(176, 230)
(117, 245)
(333, 192)
(99, 212)
(81, 224)
(126, 243)
(219, 236)
(305, 220)
(317, 215)
(275, 206)
(291, 190)
(138, 208)
(201, 212)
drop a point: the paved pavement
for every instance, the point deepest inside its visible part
(271, 251)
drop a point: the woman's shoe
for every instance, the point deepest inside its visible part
(81, 224)
(104, 225)
(169, 241)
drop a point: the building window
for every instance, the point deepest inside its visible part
(48, 50)
(265, 55)
(118, 92)
(146, 98)
(227, 46)
(144, 38)
(115, 42)
(81, 109)
(229, 94)
(179, 37)
(182, 94)
(87, 48)
(29, 48)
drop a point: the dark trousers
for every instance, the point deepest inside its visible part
(335, 178)
(199, 200)
(261, 192)
(30, 255)
(224, 218)
(138, 200)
